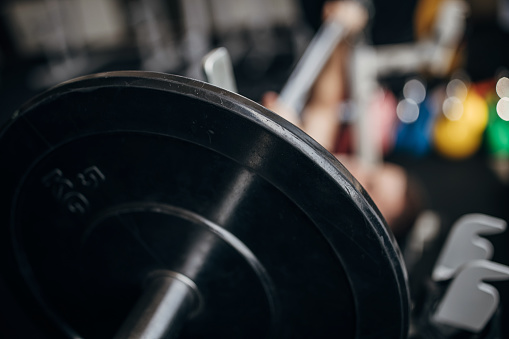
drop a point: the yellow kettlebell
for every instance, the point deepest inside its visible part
(458, 131)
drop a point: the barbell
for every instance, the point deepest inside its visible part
(146, 205)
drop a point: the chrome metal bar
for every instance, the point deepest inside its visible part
(295, 92)
(162, 309)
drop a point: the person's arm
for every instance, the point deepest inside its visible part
(320, 117)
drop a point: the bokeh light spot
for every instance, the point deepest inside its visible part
(453, 108)
(503, 108)
(503, 87)
(457, 88)
(407, 111)
(415, 90)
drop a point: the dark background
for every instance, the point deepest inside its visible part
(453, 187)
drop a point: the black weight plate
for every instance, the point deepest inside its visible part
(108, 177)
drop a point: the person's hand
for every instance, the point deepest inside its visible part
(385, 183)
(351, 14)
(270, 101)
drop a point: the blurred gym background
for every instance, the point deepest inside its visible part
(425, 114)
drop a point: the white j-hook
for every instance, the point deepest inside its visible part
(464, 244)
(469, 303)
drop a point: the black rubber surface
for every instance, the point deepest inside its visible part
(111, 176)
